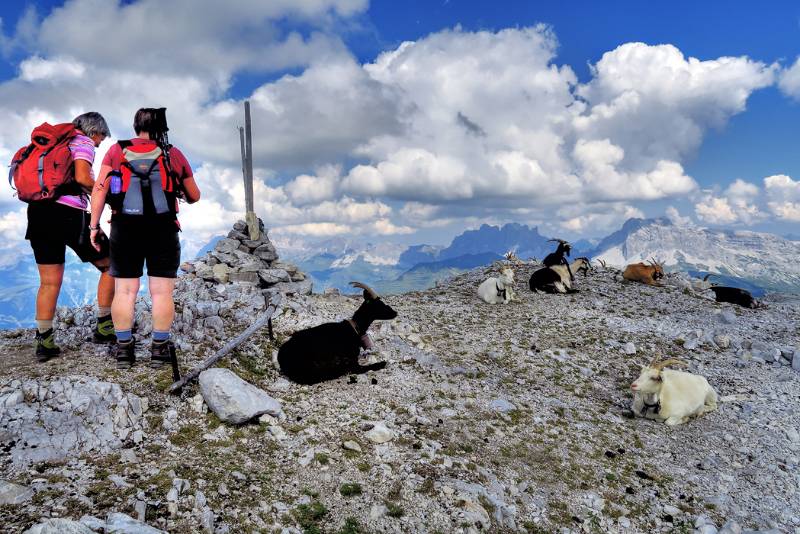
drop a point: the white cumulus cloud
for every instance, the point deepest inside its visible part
(789, 81)
(784, 197)
(738, 204)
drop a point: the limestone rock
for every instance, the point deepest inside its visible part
(273, 276)
(232, 399)
(216, 324)
(226, 245)
(502, 406)
(124, 524)
(252, 266)
(238, 236)
(221, 273)
(204, 271)
(244, 278)
(294, 288)
(207, 308)
(11, 493)
(47, 420)
(380, 434)
(266, 252)
(59, 526)
(351, 445)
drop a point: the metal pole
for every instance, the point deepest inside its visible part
(253, 225)
(244, 154)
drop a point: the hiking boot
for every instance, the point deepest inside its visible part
(161, 354)
(45, 345)
(104, 330)
(124, 353)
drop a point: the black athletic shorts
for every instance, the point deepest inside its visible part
(53, 227)
(145, 241)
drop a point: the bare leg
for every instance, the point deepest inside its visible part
(105, 285)
(163, 306)
(124, 304)
(50, 278)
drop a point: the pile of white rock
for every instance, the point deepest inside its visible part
(239, 259)
(51, 420)
(228, 287)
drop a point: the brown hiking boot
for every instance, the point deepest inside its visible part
(124, 353)
(161, 354)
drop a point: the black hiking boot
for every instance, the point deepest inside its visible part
(45, 345)
(161, 354)
(124, 353)
(104, 330)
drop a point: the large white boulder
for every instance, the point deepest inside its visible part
(59, 526)
(124, 524)
(233, 400)
(11, 493)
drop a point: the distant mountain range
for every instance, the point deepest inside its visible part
(764, 260)
(755, 261)
(19, 284)
(752, 260)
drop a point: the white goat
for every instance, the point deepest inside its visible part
(671, 396)
(499, 289)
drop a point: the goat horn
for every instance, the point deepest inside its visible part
(672, 361)
(706, 277)
(371, 292)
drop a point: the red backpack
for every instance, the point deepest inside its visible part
(41, 168)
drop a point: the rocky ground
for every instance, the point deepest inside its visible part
(506, 418)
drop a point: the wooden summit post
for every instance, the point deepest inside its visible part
(246, 140)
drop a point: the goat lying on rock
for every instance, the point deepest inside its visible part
(558, 279)
(733, 295)
(498, 290)
(646, 274)
(671, 396)
(331, 350)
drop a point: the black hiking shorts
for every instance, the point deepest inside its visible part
(53, 227)
(135, 244)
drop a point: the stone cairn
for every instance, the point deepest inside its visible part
(238, 259)
(230, 286)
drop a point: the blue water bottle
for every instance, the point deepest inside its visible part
(116, 182)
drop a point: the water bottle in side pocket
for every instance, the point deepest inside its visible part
(116, 182)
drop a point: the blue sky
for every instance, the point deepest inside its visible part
(720, 178)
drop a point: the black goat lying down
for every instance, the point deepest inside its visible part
(331, 350)
(734, 295)
(558, 278)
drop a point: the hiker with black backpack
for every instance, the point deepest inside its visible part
(53, 174)
(142, 180)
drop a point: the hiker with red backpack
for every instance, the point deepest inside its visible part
(53, 174)
(142, 180)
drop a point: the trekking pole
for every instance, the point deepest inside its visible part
(173, 360)
(265, 318)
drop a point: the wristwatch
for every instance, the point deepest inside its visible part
(94, 227)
